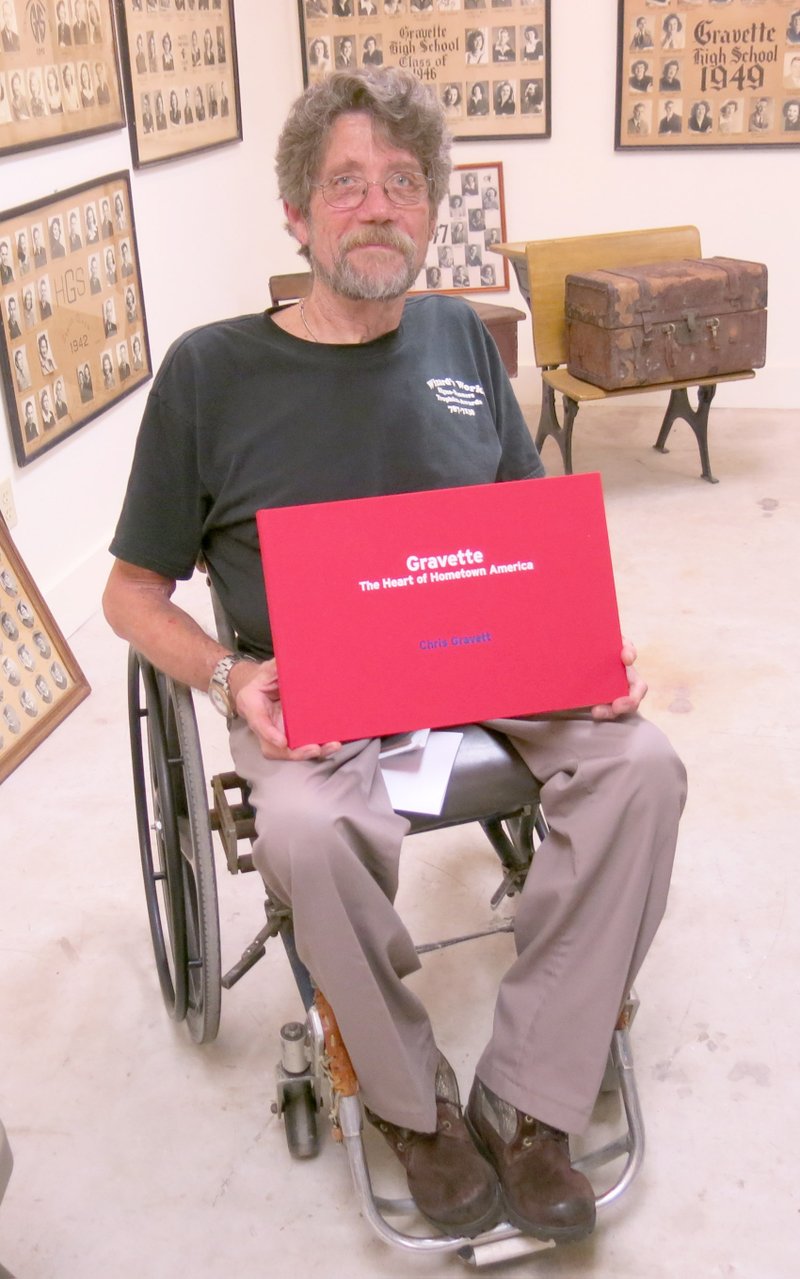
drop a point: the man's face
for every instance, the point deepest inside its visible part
(375, 251)
(12, 308)
(793, 112)
(4, 254)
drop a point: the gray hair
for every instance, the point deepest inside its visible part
(400, 105)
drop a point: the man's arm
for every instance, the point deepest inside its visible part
(138, 606)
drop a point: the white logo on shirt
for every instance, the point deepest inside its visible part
(460, 397)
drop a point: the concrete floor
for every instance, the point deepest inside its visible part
(140, 1155)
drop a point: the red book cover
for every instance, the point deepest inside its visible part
(422, 610)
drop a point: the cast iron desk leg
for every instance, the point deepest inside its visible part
(679, 406)
(550, 425)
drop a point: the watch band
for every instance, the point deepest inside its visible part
(219, 688)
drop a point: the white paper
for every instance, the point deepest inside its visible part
(417, 780)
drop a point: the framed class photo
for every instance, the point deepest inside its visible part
(74, 333)
(40, 681)
(470, 221)
(59, 76)
(488, 60)
(181, 76)
(708, 73)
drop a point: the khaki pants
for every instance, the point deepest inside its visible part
(328, 844)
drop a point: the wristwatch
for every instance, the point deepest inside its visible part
(219, 690)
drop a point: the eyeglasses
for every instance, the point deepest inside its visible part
(348, 192)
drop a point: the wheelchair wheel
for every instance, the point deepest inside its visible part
(176, 847)
(300, 1120)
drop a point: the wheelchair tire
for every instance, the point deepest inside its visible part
(176, 847)
(300, 1120)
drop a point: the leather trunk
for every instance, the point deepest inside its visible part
(666, 322)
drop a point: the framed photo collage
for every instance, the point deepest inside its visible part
(74, 334)
(708, 73)
(488, 60)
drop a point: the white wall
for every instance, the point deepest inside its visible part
(210, 232)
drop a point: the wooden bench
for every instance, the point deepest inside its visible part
(501, 321)
(541, 267)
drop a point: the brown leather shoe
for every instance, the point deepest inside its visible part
(545, 1196)
(449, 1181)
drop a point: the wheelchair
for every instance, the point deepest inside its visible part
(179, 824)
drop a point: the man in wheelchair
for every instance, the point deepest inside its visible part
(328, 399)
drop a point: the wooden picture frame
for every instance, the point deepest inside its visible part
(74, 330)
(59, 72)
(40, 681)
(707, 73)
(181, 75)
(489, 60)
(471, 219)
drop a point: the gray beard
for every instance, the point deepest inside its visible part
(346, 280)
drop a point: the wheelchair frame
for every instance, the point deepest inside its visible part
(175, 827)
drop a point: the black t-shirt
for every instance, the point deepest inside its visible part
(243, 415)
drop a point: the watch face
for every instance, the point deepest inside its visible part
(219, 700)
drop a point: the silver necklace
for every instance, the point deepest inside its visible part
(306, 325)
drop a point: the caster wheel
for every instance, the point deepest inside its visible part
(300, 1120)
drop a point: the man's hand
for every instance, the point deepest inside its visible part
(636, 689)
(255, 690)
